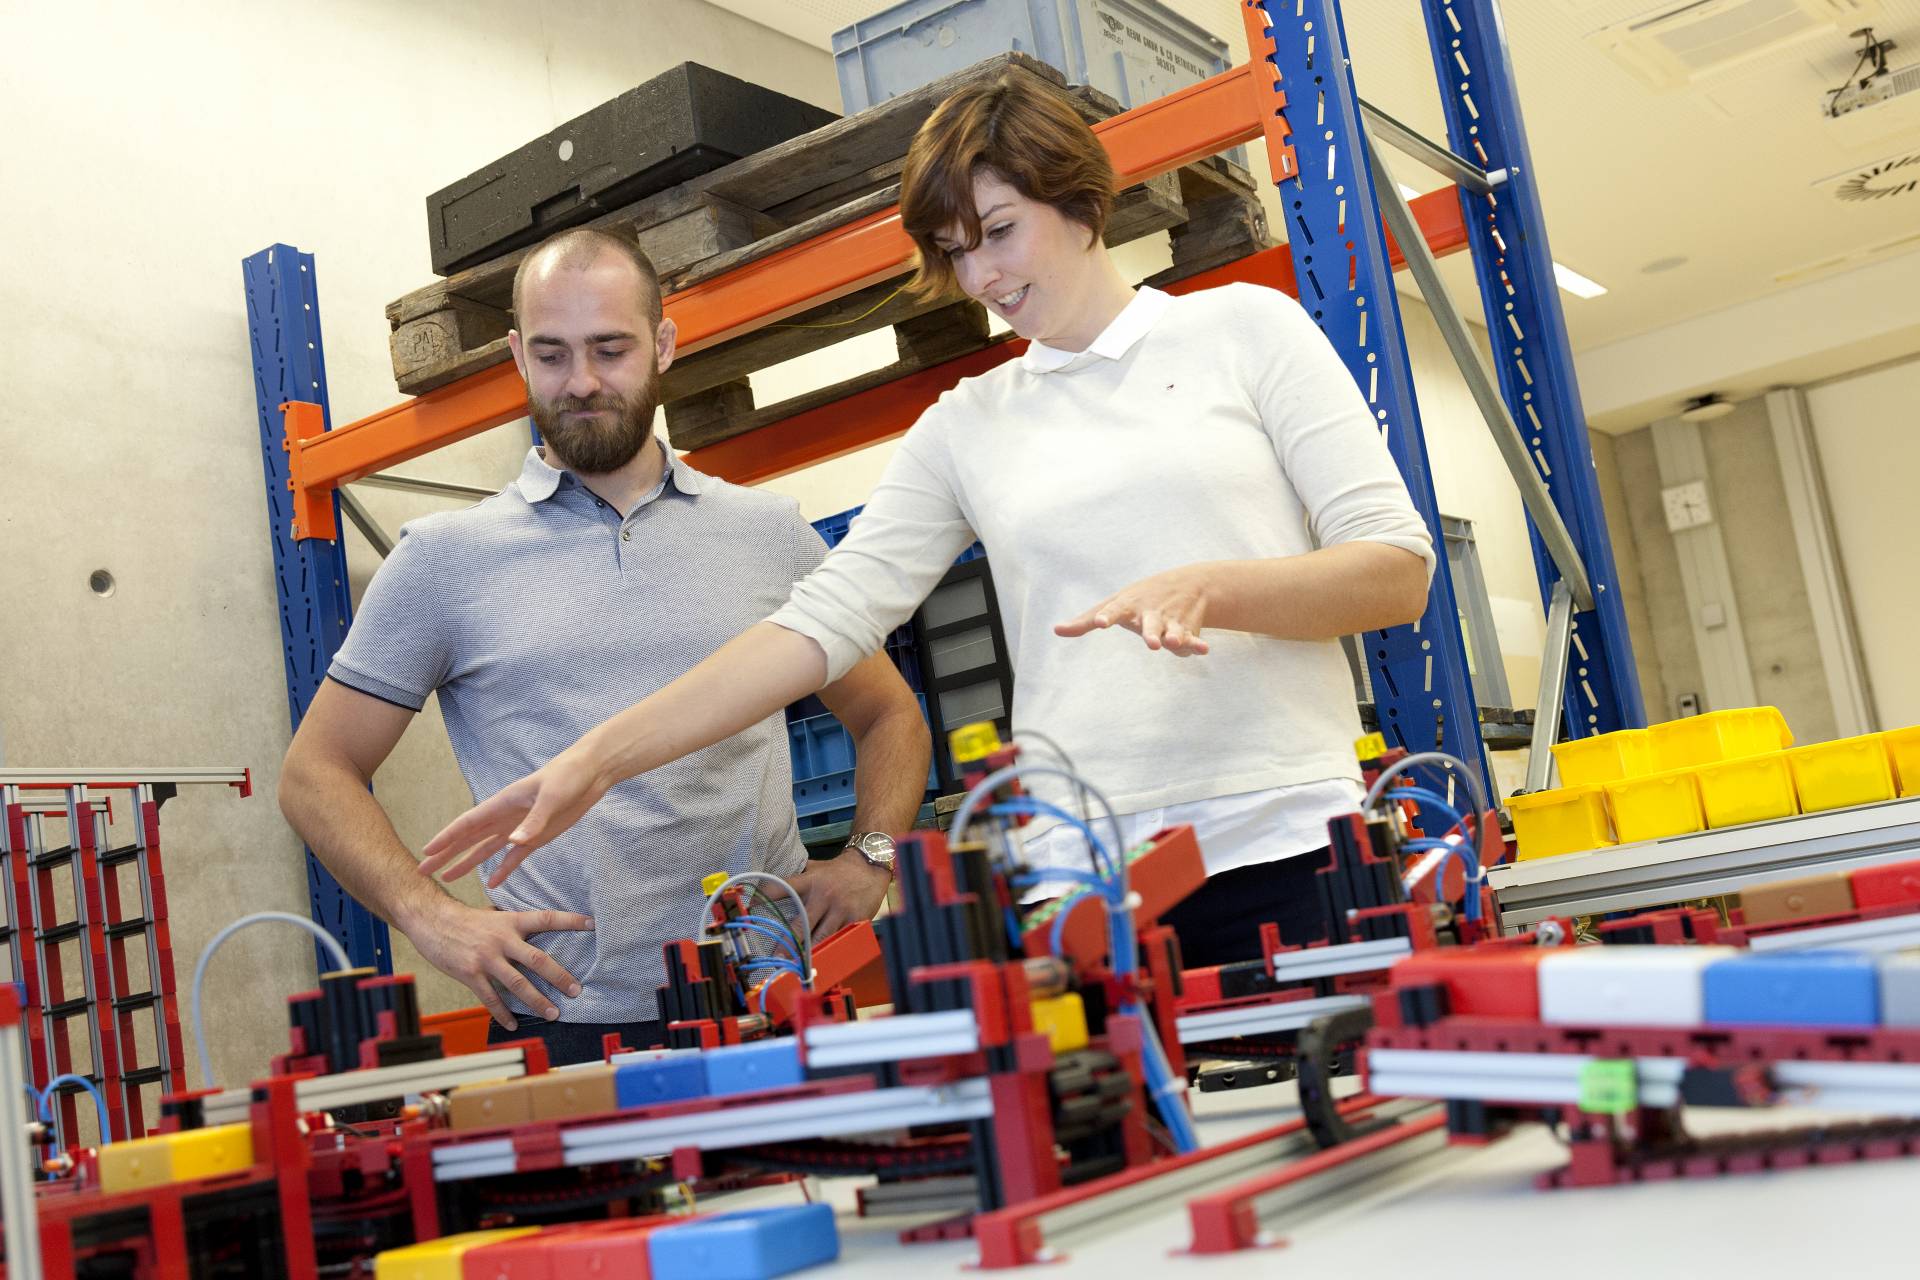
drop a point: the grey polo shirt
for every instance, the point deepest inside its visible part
(538, 613)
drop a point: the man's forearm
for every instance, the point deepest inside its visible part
(890, 772)
(348, 830)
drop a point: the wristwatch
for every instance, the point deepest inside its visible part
(876, 847)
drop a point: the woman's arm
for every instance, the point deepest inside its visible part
(1334, 591)
(741, 683)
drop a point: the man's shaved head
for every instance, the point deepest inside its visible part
(581, 248)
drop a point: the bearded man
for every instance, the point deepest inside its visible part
(607, 570)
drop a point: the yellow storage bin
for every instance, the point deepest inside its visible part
(1842, 773)
(1568, 820)
(1657, 805)
(1903, 748)
(1719, 735)
(1750, 790)
(1606, 757)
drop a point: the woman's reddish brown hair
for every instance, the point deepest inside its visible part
(1018, 129)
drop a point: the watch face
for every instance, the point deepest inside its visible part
(876, 846)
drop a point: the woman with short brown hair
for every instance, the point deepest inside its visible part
(1200, 471)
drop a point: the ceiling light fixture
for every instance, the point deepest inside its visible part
(1575, 283)
(1705, 408)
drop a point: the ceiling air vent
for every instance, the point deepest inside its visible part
(1883, 180)
(1681, 43)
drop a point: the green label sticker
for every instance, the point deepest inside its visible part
(1608, 1086)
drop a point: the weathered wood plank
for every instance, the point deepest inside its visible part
(710, 410)
(675, 234)
(425, 324)
(1216, 232)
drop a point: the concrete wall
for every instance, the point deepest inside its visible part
(149, 150)
(1769, 591)
(1867, 427)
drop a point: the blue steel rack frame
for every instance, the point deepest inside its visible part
(1507, 236)
(310, 575)
(1422, 693)
(1420, 676)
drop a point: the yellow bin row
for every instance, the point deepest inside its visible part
(1752, 788)
(1677, 744)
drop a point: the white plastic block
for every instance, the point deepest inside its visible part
(1900, 991)
(1626, 986)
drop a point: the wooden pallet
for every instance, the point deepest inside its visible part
(782, 196)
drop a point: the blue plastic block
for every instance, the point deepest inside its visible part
(666, 1079)
(1796, 989)
(747, 1068)
(748, 1245)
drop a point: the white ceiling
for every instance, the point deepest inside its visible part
(1722, 174)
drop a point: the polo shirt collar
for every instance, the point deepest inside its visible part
(1118, 338)
(540, 480)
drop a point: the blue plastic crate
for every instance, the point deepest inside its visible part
(1134, 51)
(748, 1244)
(823, 767)
(1794, 989)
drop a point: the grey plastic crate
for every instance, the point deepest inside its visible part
(1131, 50)
(656, 135)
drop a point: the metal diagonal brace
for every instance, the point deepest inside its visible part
(1479, 379)
(1553, 686)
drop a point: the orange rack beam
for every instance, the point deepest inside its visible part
(1198, 121)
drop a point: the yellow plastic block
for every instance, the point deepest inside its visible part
(1606, 757)
(1064, 1019)
(709, 883)
(1719, 735)
(1569, 820)
(132, 1166)
(1842, 773)
(1903, 747)
(207, 1153)
(1370, 746)
(973, 742)
(1750, 790)
(175, 1157)
(439, 1259)
(1657, 805)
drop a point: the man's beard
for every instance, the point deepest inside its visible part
(595, 446)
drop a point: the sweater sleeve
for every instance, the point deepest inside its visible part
(1326, 438)
(895, 553)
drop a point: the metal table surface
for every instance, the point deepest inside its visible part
(1471, 1212)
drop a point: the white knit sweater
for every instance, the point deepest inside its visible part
(1219, 425)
